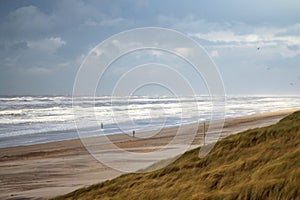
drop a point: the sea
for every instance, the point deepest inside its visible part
(39, 119)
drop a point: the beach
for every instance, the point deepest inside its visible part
(41, 171)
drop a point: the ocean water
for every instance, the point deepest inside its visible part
(31, 120)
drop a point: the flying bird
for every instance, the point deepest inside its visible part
(258, 48)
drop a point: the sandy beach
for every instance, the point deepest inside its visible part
(46, 170)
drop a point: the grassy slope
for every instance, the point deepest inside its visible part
(260, 163)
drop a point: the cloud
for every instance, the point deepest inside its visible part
(183, 51)
(19, 46)
(31, 35)
(38, 71)
(105, 22)
(189, 23)
(156, 53)
(33, 22)
(35, 56)
(278, 39)
(97, 52)
(49, 45)
(247, 39)
(26, 22)
(226, 37)
(281, 39)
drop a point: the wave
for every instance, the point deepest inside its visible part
(41, 115)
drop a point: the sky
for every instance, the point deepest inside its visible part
(254, 44)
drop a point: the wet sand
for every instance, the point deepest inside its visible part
(46, 170)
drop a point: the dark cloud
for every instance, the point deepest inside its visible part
(48, 38)
(19, 46)
(26, 23)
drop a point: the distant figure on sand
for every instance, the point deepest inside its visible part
(133, 133)
(101, 125)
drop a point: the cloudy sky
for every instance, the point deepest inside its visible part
(255, 44)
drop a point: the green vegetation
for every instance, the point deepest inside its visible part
(262, 163)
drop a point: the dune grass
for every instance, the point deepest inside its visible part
(262, 163)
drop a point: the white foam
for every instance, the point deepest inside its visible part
(30, 115)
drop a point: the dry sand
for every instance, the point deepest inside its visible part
(46, 170)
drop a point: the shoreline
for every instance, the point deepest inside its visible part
(50, 169)
(76, 137)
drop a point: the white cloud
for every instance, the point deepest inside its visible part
(49, 45)
(97, 51)
(248, 39)
(38, 71)
(156, 53)
(230, 35)
(115, 42)
(278, 40)
(183, 51)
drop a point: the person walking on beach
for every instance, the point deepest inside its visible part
(133, 133)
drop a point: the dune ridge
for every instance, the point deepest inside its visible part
(260, 163)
